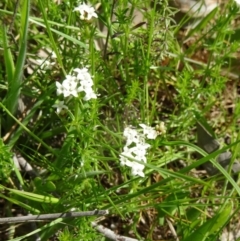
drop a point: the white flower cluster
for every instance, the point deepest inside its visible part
(87, 12)
(136, 148)
(238, 2)
(73, 84)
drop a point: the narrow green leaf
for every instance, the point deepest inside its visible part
(8, 58)
(59, 220)
(14, 86)
(207, 157)
(210, 226)
(203, 22)
(38, 21)
(34, 197)
(222, 218)
(173, 198)
(17, 172)
(53, 43)
(26, 129)
(23, 205)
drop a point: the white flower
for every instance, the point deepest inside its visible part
(132, 136)
(86, 83)
(71, 79)
(70, 86)
(124, 157)
(86, 11)
(83, 75)
(137, 169)
(136, 148)
(90, 94)
(129, 132)
(150, 132)
(60, 88)
(74, 84)
(140, 150)
(85, 86)
(60, 106)
(137, 151)
(238, 2)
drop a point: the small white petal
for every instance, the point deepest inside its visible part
(86, 11)
(137, 170)
(60, 106)
(132, 136)
(150, 132)
(60, 88)
(90, 95)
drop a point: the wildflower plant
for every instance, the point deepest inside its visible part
(136, 148)
(75, 84)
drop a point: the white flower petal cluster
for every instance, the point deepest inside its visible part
(136, 148)
(72, 85)
(150, 132)
(238, 2)
(60, 107)
(87, 12)
(86, 83)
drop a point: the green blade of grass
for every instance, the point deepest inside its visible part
(33, 196)
(21, 204)
(8, 59)
(210, 226)
(47, 226)
(210, 157)
(39, 21)
(203, 23)
(14, 84)
(17, 172)
(27, 130)
(53, 43)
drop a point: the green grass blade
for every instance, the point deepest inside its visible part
(8, 59)
(211, 159)
(210, 226)
(27, 130)
(15, 84)
(17, 172)
(53, 43)
(203, 23)
(23, 205)
(33, 196)
(59, 220)
(39, 21)
(70, 38)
